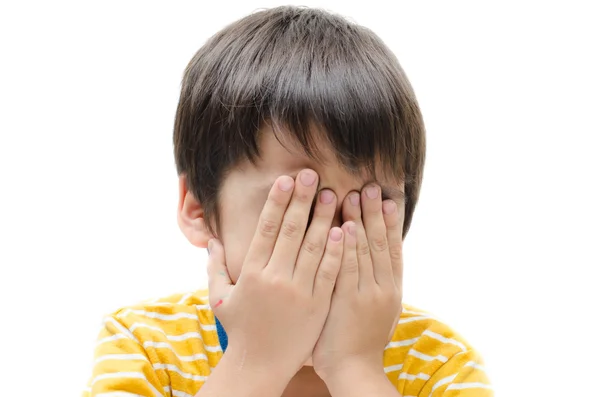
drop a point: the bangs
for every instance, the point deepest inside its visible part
(303, 74)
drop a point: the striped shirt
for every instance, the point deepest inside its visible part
(168, 347)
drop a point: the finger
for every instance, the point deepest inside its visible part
(313, 245)
(348, 277)
(219, 281)
(352, 212)
(293, 226)
(376, 231)
(393, 216)
(269, 224)
(329, 267)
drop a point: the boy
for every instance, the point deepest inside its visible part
(300, 149)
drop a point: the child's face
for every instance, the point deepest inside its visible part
(245, 191)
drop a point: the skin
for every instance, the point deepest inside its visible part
(371, 265)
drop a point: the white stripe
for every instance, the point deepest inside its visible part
(442, 382)
(118, 394)
(168, 317)
(416, 313)
(475, 365)
(425, 357)
(135, 326)
(184, 298)
(121, 357)
(202, 326)
(400, 343)
(178, 393)
(473, 385)
(203, 307)
(176, 338)
(208, 327)
(121, 328)
(160, 316)
(443, 339)
(130, 375)
(111, 338)
(212, 349)
(112, 375)
(165, 345)
(148, 301)
(189, 335)
(411, 377)
(411, 319)
(173, 368)
(186, 336)
(392, 368)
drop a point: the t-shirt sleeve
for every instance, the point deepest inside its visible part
(121, 366)
(463, 375)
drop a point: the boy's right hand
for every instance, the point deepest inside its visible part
(274, 314)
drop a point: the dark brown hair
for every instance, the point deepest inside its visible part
(296, 68)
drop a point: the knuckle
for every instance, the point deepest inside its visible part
(313, 248)
(396, 251)
(350, 266)
(363, 248)
(328, 274)
(267, 227)
(379, 244)
(290, 228)
(277, 282)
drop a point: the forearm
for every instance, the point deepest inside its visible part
(360, 383)
(234, 377)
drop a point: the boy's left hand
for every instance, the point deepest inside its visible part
(367, 300)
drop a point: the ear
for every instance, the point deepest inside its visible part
(190, 216)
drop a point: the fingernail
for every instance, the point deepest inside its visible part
(354, 199)
(326, 196)
(285, 184)
(372, 192)
(335, 234)
(389, 206)
(308, 178)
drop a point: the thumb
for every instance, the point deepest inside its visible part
(219, 281)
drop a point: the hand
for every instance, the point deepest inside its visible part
(367, 300)
(275, 313)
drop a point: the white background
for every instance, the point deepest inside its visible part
(504, 243)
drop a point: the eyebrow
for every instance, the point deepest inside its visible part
(388, 192)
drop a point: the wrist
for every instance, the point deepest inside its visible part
(338, 377)
(255, 372)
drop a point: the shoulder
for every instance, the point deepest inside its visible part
(183, 317)
(168, 310)
(167, 344)
(425, 354)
